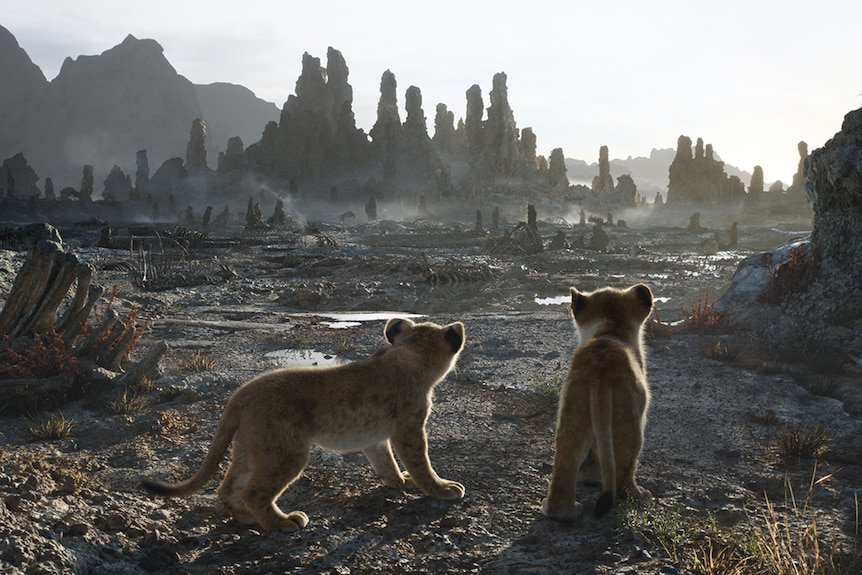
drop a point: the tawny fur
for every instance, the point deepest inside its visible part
(375, 405)
(604, 401)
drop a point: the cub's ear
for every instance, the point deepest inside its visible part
(454, 336)
(579, 301)
(395, 327)
(643, 295)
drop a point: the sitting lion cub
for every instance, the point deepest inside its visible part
(371, 405)
(603, 404)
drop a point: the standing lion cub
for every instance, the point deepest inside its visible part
(373, 405)
(604, 401)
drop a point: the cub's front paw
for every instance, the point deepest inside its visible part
(641, 495)
(562, 512)
(448, 490)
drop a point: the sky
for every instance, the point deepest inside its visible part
(752, 78)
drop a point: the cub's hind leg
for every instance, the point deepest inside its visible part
(270, 476)
(574, 439)
(234, 482)
(627, 454)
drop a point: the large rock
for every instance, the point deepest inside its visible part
(834, 183)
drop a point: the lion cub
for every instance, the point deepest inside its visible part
(603, 404)
(373, 405)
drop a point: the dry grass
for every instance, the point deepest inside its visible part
(796, 443)
(54, 426)
(197, 362)
(721, 352)
(771, 542)
(127, 402)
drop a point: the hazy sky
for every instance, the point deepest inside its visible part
(752, 78)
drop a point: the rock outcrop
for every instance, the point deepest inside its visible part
(386, 134)
(603, 182)
(834, 181)
(317, 130)
(700, 179)
(118, 186)
(17, 178)
(196, 149)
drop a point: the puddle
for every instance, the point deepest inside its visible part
(302, 357)
(556, 300)
(352, 319)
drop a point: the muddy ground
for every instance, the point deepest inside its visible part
(74, 505)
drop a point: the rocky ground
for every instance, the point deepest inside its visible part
(74, 505)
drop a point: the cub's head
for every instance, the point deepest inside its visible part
(443, 342)
(611, 311)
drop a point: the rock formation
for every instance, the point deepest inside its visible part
(700, 179)
(755, 187)
(233, 157)
(87, 184)
(626, 192)
(473, 127)
(142, 174)
(500, 155)
(386, 133)
(118, 186)
(317, 130)
(445, 139)
(557, 169)
(834, 181)
(604, 182)
(18, 178)
(196, 149)
(415, 131)
(798, 183)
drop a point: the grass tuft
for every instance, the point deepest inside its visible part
(721, 352)
(54, 426)
(127, 402)
(548, 387)
(796, 443)
(197, 362)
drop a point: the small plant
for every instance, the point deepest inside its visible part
(197, 362)
(127, 402)
(45, 356)
(792, 274)
(823, 387)
(796, 443)
(545, 386)
(146, 385)
(54, 426)
(702, 317)
(721, 352)
(344, 347)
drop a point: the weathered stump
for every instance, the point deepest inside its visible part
(46, 343)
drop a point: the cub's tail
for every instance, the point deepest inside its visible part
(224, 434)
(601, 407)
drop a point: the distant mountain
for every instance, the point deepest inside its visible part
(649, 174)
(100, 110)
